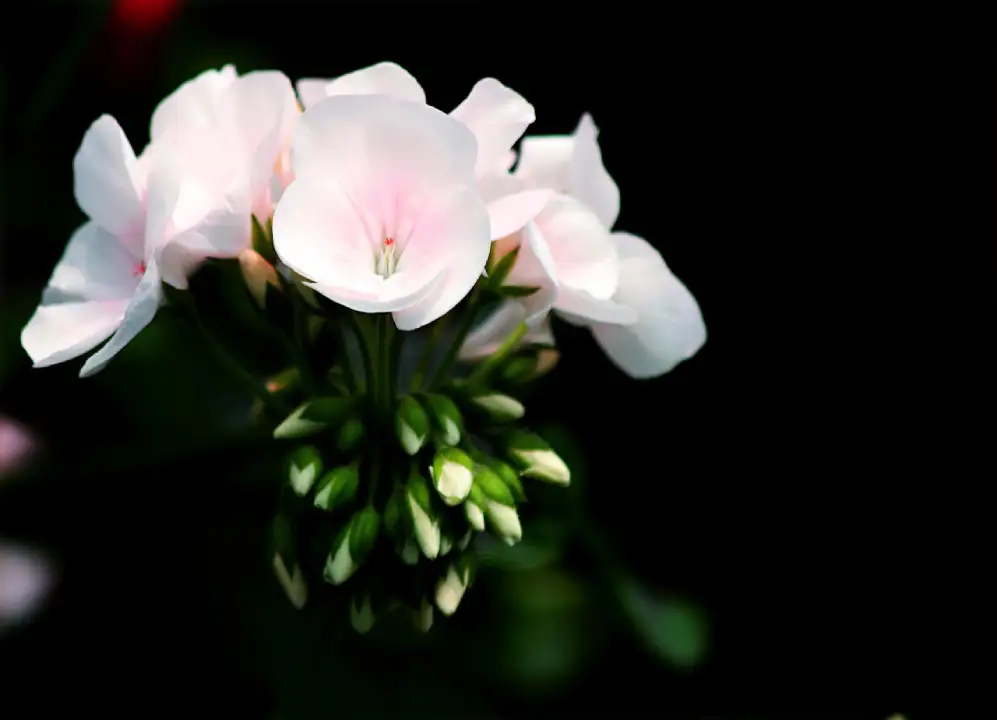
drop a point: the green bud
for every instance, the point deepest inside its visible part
(292, 582)
(394, 514)
(314, 416)
(510, 477)
(411, 424)
(474, 510)
(446, 416)
(423, 617)
(499, 407)
(449, 590)
(465, 541)
(339, 565)
(452, 472)
(363, 534)
(409, 552)
(337, 488)
(536, 458)
(304, 467)
(361, 614)
(503, 521)
(425, 525)
(492, 486)
(519, 370)
(351, 434)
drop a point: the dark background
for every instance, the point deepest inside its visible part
(753, 483)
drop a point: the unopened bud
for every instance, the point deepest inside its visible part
(510, 477)
(394, 511)
(492, 486)
(314, 416)
(546, 360)
(293, 583)
(446, 544)
(303, 469)
(449, 591)
(475, 515)
(339, 566)
(351, 434)
(409, 552)
(452, 473)
(423, 617)
(499, 407)
(465, 541)
(257, 273)
(411, 424)
(425, 527)
(446, 417)
(361, 615)
(536, 458)
(337, 488)
(364, 533)
(519, 370)
(503, 521)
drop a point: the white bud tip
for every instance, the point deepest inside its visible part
(340, 566)
(427, 531)
(475, 516)
(451, 433)
(424, 616)
(454, 483)
(545, 465)
(410, 552)
(501, 406)
(411, 442)
(449, 592)
(302, 479)
(292, 583)
(505, 522)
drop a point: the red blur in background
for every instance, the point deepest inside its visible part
(136, 30)
(144, 17)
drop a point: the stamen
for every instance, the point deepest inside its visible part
(139, 270)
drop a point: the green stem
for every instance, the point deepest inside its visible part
(467, 322)
(360, 328)
(385, 370)
(375, 477)
(419, 376)
(348, 371)
(507, 347)
(273, 405)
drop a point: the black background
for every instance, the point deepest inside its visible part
(761, 477)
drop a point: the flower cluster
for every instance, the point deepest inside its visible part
(357, 211)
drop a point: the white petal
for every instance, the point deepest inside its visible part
(357, 138)
(63, 331)
(498, 117)
(107, 182)
(310, 91)
(487, 336)
(140, 312)
(669, 327)
(194, 103)
(581, 308)
(535, 267)
(545, 161)
(383, 78)
(510, 213)
(582, 249)
(588, 179)
(94, 266)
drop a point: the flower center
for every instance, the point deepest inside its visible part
(138, 270)
(386, 259)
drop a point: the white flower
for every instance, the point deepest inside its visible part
(497, 115)
(486, 338)
(150, 218)
(248, 119)
(669, 327)
(383, 215)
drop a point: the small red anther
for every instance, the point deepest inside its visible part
(139, 269)
(389, 241)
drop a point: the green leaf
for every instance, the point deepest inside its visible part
(498, 274)
(314, 416)
(673, 628)
(262, 241)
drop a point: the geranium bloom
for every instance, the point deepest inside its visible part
(497, 115)
(383, 214)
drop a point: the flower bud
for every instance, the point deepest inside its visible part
(492, 487)
(536, 458)
(394, 515)
(475, 514)
(465, 541)
(546, 360)
(361, 615)
(257, 273)
(293, 583)
(340, 566)
(446, 543)
(503, 521)
(450, 590)
(425, 526)
(510, 477)
(364, 533)
(452, 473)
(423, 617)
(409, 552)
(446, 417)
(411, 424)
(499, 407)
(303, 469)
(314, 416)
(351, 434)
(337, 488)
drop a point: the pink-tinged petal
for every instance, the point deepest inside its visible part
(454, 227)
(311, 91)
(139, 313)
(94, 266)
(669, 327)
(535, 267)
(194, 103)
(383, 78)
(364, 139)
(486, 338)
(106, 180)
(510, 213)
(62, 331)
(545, 161)
(381, 296)
(498, 117)
(580, 308)
(582, 249)
(588, 179)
